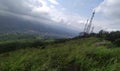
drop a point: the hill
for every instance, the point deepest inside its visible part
(85, 54)
(13, 25)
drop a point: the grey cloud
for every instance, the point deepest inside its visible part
(23, 8)
(16, 6)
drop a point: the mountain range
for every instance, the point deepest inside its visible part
(16, 25)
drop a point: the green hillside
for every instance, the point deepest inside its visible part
(85, 54)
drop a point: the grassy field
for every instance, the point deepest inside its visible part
(86, 54)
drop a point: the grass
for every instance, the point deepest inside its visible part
(72, 55)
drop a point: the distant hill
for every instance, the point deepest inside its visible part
(13, 25)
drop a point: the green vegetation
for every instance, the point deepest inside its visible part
(11, 42)
(114, 37)
(78, 54)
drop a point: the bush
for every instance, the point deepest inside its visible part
(117, 42)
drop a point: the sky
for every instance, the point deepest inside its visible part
(71, 14)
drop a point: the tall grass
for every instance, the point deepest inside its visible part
(72, 55)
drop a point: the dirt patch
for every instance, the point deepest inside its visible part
(103, 43)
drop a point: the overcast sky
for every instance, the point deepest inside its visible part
(67, 13)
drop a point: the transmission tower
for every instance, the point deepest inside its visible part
(86, 25)
(90, 23)
(92, 29)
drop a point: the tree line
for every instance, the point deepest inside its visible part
(113, 36)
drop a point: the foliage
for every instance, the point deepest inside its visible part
(113, 36)
(68, 55)
(13, 42)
